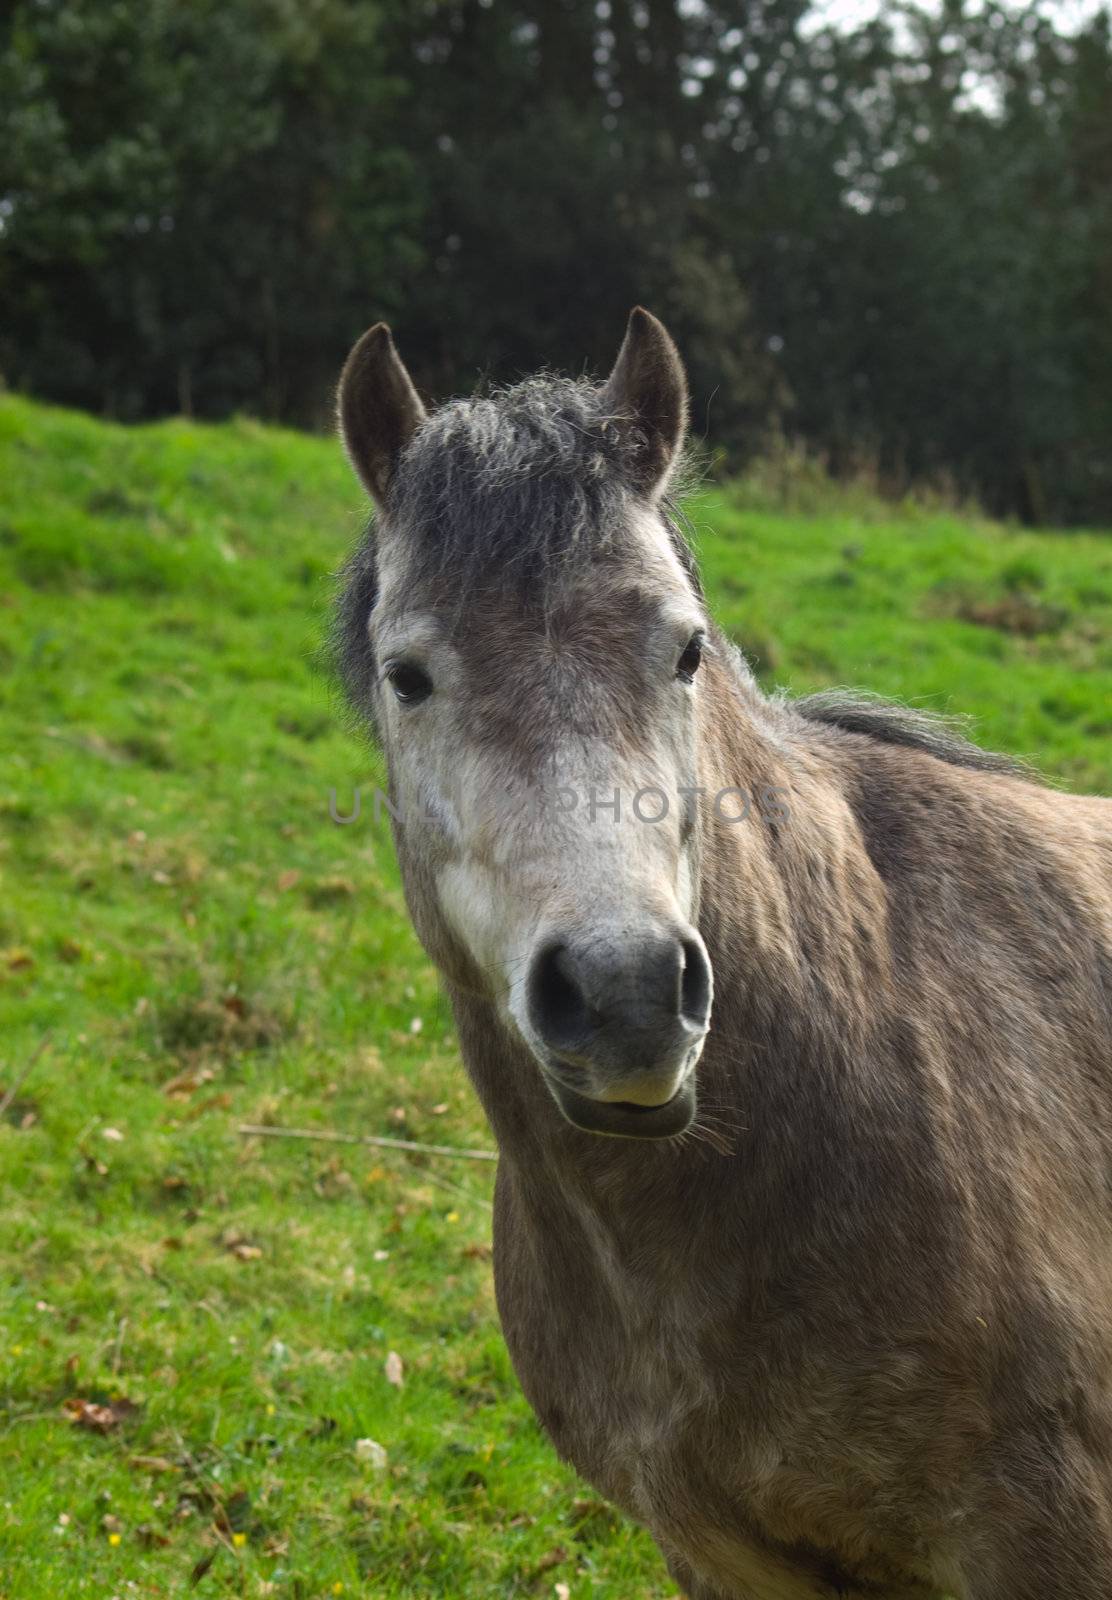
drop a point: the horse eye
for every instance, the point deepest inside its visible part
(411, 684)
(688, 664)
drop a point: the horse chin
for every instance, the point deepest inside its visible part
(621, 1119)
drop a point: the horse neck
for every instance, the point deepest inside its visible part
(789, 894)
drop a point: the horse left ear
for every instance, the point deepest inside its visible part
(648, 384)
(379, 408)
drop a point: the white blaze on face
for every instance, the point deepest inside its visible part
(597, 843)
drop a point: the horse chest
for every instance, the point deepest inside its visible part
(608, 1361)
(619, 1374)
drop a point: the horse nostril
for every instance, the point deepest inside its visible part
(695, 984)
(557, 1006)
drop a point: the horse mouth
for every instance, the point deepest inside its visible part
(622, 1119)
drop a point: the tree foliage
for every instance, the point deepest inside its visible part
(893, 239)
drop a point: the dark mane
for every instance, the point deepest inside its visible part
(517, 482)
(855, 711)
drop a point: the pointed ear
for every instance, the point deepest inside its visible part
(649, 385)
(379, 409)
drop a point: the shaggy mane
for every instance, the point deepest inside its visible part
(855, 711)
(517, 483)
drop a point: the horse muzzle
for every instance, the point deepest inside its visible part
(617, 1020)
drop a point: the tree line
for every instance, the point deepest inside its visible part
(892, 241)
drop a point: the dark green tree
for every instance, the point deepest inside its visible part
(198, 201)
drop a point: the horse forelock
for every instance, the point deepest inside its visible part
(520, 489)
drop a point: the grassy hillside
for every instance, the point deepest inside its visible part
(204, 947)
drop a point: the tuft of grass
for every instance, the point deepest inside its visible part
(206, 947)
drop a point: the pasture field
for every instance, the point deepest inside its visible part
(249, 1366)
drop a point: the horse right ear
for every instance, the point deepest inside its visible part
(649, 386)
(379, 409)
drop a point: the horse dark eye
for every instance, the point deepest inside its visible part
(410, 684)
(688, 664)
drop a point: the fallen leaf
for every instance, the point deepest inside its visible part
(202, 1567)
(288, 880)
(213, 1102)
(187, 1081)
(97, 1418)
(326, 891)
(152, 1464)
(150, 1537)
(233, 1516)
(395, 1372)
(321, 1428)
(238, 1245)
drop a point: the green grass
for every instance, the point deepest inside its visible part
(205, 947)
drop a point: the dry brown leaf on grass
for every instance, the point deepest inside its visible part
(238, 1245)
(202, 1566)
(214, 1102)
(395, 1372)
(152, 1464)
(186, 1082)
(95, 1417)
(552, 1559)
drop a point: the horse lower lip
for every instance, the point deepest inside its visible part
(623, 1119)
